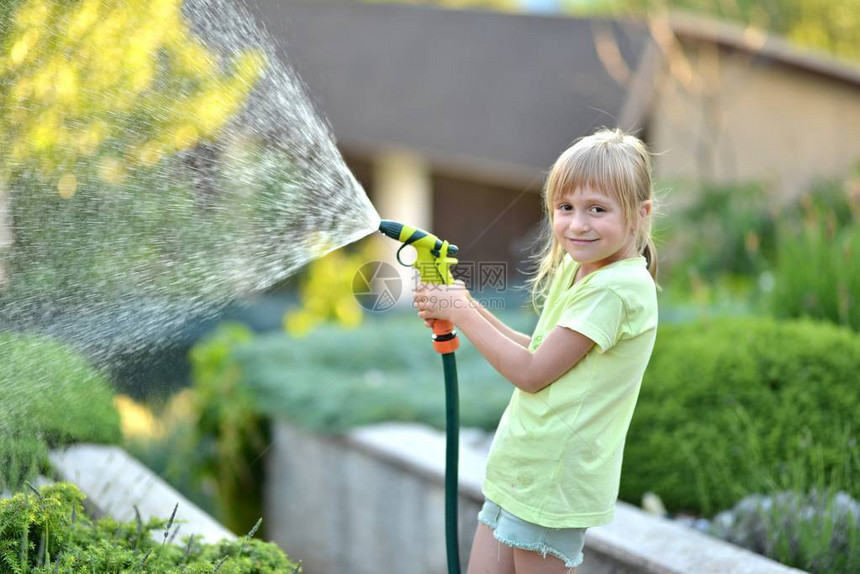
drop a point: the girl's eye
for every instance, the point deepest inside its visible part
(597, 209)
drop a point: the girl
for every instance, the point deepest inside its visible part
(555, 464)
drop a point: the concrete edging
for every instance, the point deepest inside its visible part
(114, 483)
(326, 469)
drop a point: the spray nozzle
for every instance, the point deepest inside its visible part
(413, 235)
(432, 261)
(434, 266)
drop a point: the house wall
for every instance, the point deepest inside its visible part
(728, 116)
(398, 184)
(491, 224)
(362, 168)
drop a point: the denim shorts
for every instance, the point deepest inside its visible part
(564, 543)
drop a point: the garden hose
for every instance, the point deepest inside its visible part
(434, 266)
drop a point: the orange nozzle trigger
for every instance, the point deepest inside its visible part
(445, 338)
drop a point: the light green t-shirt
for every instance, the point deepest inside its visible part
(556, 455)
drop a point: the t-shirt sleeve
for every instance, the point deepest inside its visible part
(598, 313)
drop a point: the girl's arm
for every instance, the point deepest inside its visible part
(529, 371)
(520, 338)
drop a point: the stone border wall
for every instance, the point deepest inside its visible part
(114, 483)
(372, 501)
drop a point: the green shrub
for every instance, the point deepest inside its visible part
(727, 402)
(49, 396)
(48, 532)
(806, 519)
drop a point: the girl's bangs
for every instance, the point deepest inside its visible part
(591, 168)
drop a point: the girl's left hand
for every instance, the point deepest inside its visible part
(444, 302)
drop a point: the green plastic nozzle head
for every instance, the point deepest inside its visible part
(408, 235)
(391, 228)
(433, 256)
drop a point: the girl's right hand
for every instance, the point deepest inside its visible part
(459, 283)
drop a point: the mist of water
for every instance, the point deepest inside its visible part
(116, 265)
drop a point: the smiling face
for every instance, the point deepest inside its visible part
(592, 228)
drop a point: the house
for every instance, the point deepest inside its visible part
(451, 119)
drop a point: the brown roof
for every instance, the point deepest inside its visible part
(506, 93)
(500, 95)
(758, 42)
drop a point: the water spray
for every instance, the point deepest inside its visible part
(434, 266)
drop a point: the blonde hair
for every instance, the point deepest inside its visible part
(613, 162)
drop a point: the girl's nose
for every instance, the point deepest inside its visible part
(578, 223)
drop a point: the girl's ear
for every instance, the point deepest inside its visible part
(645, 208)
(644, 211)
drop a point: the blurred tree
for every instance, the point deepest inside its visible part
(832, 26)
(106, 86)
(123, 81)
(502, 5)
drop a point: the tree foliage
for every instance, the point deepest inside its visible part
(111, 83)
(831, 26)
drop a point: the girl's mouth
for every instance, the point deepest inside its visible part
(582, 241)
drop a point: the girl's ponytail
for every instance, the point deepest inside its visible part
(650, 253)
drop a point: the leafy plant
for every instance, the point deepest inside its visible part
(223, 450)
(817, 274)
(48, 532)
(728, 230)
(736, 249)
(326, 292)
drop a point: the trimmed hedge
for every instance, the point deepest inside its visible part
(49, 396)
(730, 407)
(727, 407)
